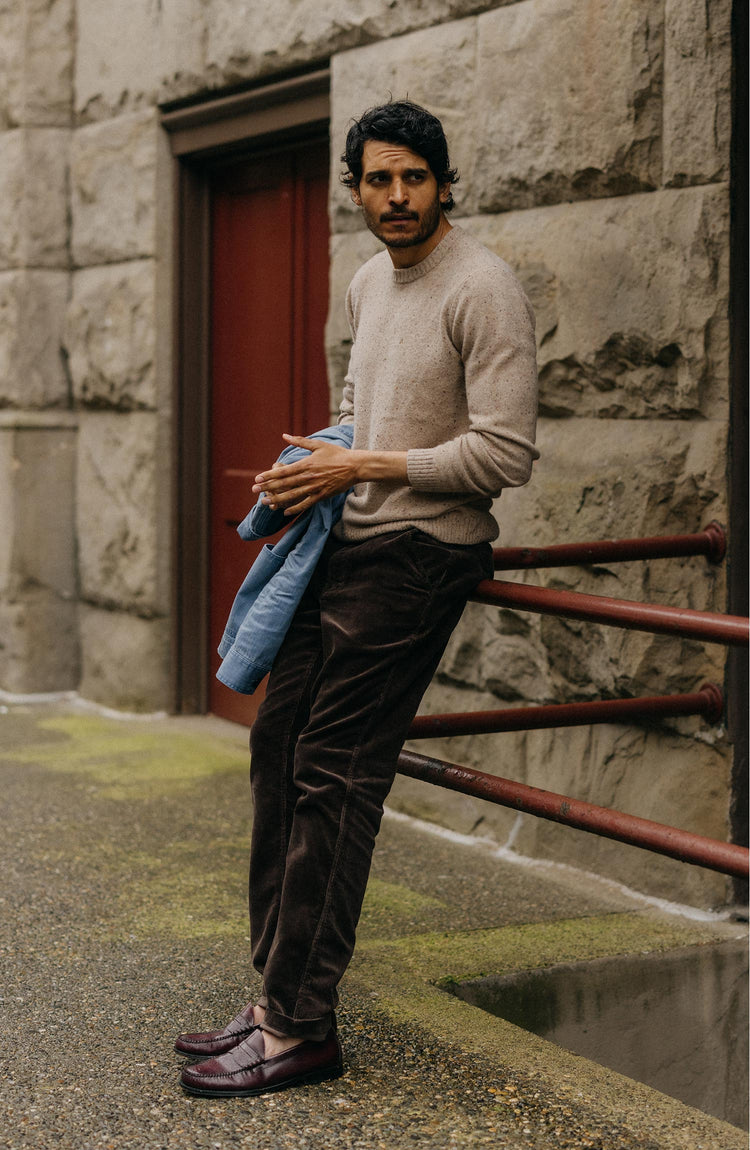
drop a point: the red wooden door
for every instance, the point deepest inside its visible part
(269, 300)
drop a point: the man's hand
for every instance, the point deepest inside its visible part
(327, 470)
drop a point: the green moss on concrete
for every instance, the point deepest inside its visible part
(172, 897)
(126, 761)
(408, 978)
(390, 908)
(460, 955)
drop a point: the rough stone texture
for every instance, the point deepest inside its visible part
(34, 198)
(110, 336)
(32, 316)
(245, 40)
(599, 480)
(113, 200)
(631, 301)
(38, 586)
(36, 62)
(697, 91)
(126, 56)
(413, 66)
(117, 512)
(125, 659)
(569, 99)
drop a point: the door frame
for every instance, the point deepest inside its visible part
(204, 134)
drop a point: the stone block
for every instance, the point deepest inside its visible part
(34, 198)
(30, 661)
(414, 66)
(12, 25)
(568, 101)
(246, 40)
(125, 660)
(113, 189)
(117, 511)
(610, 479)
(110, 336)
(37, 465)
(38, 577)
(618, 479)
(32, 317)
(128, 55)
(36, 62)
(697, 91)
(631, 296)
(348, 253)
(665, 777)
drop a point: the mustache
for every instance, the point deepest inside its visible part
(384, 219)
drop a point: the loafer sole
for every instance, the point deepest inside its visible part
(324, 1074)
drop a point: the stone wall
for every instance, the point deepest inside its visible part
(39, 645)
(592, 138)
(590, 162)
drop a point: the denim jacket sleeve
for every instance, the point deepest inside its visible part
(271, 591)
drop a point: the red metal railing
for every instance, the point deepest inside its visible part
(724, 857)
(711, 542)
(730, 629)
(708, 702)
(728, 858)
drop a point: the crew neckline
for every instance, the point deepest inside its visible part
(406, 275)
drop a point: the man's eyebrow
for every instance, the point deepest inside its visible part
(387, 172)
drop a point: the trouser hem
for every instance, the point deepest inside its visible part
(310, 1030)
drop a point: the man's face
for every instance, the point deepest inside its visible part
(401, 201)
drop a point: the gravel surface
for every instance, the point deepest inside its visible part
(123, 923)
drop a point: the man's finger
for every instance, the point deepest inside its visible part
(300, 441)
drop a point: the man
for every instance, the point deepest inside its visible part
(441, 391)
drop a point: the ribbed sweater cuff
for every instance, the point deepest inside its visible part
(421, 469)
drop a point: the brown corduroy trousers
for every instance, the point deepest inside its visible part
(361, 650)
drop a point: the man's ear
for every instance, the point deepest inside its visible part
(445, 191)
(356, 197)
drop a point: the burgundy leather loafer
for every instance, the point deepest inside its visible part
(216, 1042)
(245, 1070)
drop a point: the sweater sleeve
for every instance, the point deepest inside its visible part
(492, 328)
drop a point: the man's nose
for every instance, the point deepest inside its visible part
(399, 193)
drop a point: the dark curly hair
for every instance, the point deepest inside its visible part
(405, 123)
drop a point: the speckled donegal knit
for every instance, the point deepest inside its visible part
(443, 366)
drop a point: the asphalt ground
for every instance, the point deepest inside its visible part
(123, 923)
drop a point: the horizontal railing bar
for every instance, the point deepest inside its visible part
(727, 858)
(708, 701)
(732, 630)
(711, 542)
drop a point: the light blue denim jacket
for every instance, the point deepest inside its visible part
(269, 596)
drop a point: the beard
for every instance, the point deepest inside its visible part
(428, 225)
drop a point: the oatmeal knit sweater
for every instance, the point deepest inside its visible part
(443, 366)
